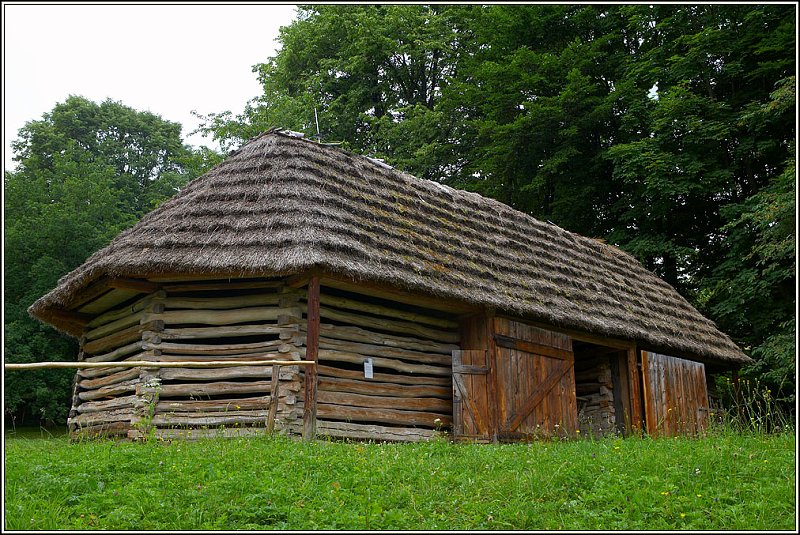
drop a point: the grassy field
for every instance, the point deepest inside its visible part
(727, 481)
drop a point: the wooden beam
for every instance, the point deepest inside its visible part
(70, 316)
(532, 347)
(580, 335)
(92, 291)
(384, 291)
(492, 380)
(137, 285)
(636, 392)
(156, 364)
(312, 355)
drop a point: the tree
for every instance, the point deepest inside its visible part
(655, 128)
(86, 172)
(362, 72)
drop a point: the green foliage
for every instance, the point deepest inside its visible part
(86, 172)
(725, 481)
(664, 129)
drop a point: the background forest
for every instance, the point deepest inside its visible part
(667, 130)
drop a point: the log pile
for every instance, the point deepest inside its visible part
(409, 393)
(594, 388)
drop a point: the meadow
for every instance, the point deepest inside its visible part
(725, 481)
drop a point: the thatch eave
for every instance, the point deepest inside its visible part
(282, 206)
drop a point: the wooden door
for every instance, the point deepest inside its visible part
(535, 381)
(675, 395)
(471, 402)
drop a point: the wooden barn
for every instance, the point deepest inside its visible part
(425, 308)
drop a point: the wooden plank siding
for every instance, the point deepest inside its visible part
(675, 395)
(536, 381)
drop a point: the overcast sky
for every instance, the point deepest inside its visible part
(167, 59)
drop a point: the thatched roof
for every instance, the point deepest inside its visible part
(284, 205)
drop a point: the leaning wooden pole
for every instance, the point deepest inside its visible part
(312, 355)
(159, 364)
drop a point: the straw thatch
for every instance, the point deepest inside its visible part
(284, 205)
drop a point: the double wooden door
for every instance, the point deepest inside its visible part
(522, 387)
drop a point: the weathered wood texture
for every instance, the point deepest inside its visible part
(409, 393)
(675, 395)
(536, 381)
(472, 406)
(204, 321)
(310, 376)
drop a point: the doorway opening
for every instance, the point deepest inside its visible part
(601, 389)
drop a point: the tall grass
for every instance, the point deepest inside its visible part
(726, 480)
(750, 407)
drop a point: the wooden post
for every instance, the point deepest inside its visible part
(635, 390)
(273, 398)
(492, 378)
(312, 354)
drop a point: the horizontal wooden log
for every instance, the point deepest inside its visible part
(117, 339)
(135, 285)
(373, 388)
(223, 405)
(383, 402)
(380, 362)
(387, 416)
(116, 325)
(223, 388)
(210, 419)
(205, 286)
(124, 387)
(193, 333)
(373, 432)
(333, 371)
(293, 356)
(224, 317)
(393, 326)
(230, 419)
(113, 429)
(108, 380)
(357, 334)
(197, 434)
(373, 350)
(117, 353)
(97, 369)
(219, 349)
(76, 320)
(587, 388)
(91, 292)
(381, 290)
(110, 300)
(220, 303)
(102, 417)
(287, 373)
(123, 402)
(156, 364)
(380, 310)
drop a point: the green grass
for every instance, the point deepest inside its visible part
(727, 481)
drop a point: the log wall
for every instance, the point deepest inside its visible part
(409, 394)
(202, 320)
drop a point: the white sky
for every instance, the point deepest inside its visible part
(166, 59)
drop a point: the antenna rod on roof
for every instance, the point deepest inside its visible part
(316, 120)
